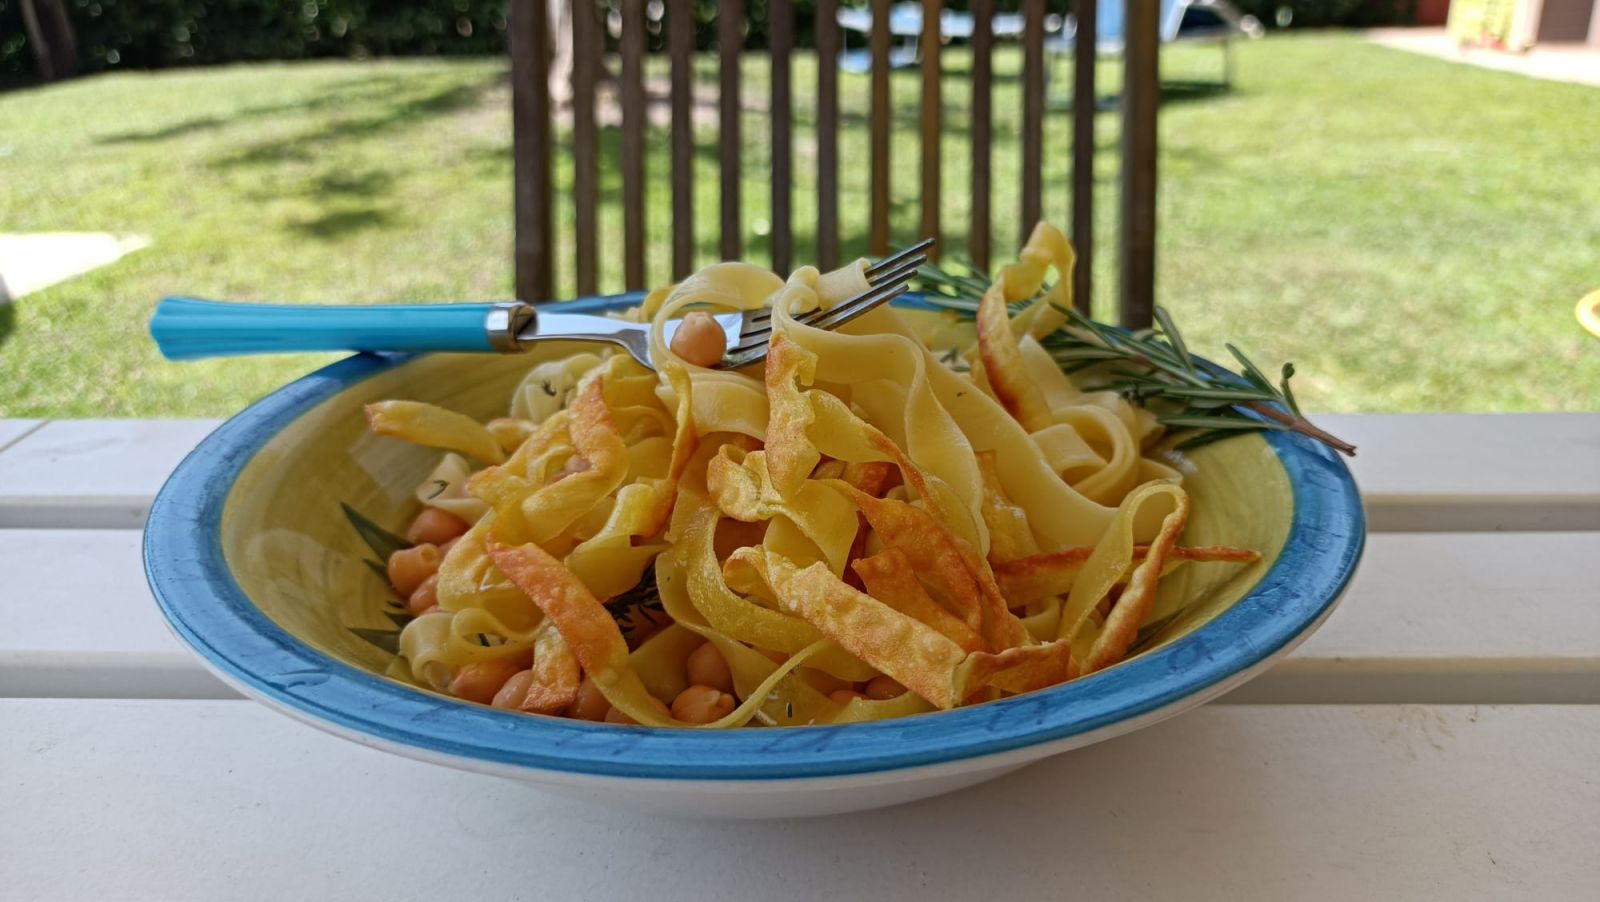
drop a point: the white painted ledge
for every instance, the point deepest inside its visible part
(186, 800)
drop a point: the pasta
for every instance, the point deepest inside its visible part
(853, 531)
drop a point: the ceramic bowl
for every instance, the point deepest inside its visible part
(257, 567)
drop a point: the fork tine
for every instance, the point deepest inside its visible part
(856, 306)
(888, 263)
(888, 278)
(897, 276)
(876, 273)
(845, 311)
(902, 272)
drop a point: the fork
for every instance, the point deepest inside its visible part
(189, 328)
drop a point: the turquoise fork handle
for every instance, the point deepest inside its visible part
(188, 328)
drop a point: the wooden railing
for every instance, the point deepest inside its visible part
(534, 149)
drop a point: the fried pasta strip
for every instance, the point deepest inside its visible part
(968, 584)
(1026, 580)
(890, 578)
(1117, 635)
(556, 674)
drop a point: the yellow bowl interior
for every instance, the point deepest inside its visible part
(296, 556)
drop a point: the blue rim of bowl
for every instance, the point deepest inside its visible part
(205, 606)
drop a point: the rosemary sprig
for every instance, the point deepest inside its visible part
(1153, 368)
(955, 290)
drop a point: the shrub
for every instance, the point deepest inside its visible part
(159, 33)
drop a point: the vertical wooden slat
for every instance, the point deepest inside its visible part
(633, 126)
(780, 40)
(932, 122)
(1032, 112)
(982, 120)
(530, 149)
(585, 149)
(878, 230)
(1083, 110)
(49, 31)
(680, 46)
(1140, 93)
(730, 38)
(827, 37)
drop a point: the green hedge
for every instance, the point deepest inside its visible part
(160, 33)
(1331, 13)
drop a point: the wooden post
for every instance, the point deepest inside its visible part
(1032, 114)
(49, 29)
(932, 123)
(780, 40)
(827, 25)
(982, 122)
(1084, 53)
(530, 149)
(586, 49)
(680, 45)
(730, 39)
(1141, 91)
(882, 116)
(633, 128)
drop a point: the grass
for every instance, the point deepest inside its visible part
(1413, 234)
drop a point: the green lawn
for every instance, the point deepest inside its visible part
(1413, 234)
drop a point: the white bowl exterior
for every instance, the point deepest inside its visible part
(787, 798)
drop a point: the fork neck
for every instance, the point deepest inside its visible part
(532, 326)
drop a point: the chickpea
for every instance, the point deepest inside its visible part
(435, 527)
(591, 703)
(408, 567)
(882, 687)
(512, 693)
(483, 681)
(699, 340)
(616, 716)
(706, 667)
(844, 696)
(426, 596)
(701, 704)
(577, 463)
(872, 477)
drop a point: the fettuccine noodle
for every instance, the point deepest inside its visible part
(853, 531)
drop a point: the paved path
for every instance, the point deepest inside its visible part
(1576, 63)
(31, 261)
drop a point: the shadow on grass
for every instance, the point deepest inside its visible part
(1172, 92)
(351, 184)
(371, 119)
(364, 91)
(1189, 91)
(339, 223)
